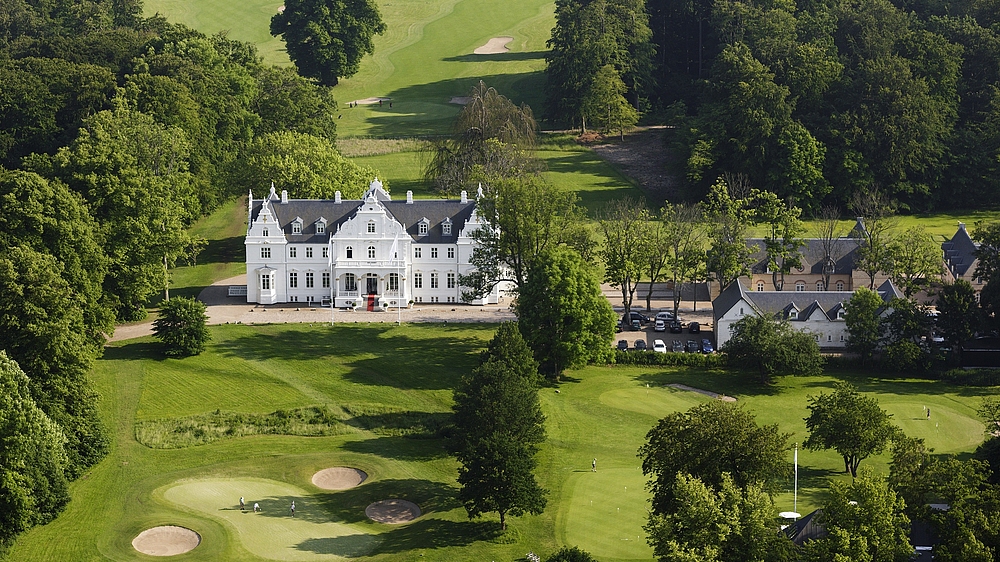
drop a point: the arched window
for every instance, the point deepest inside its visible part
(800, 286)
(350, 282)
(350, 253)
(819, 285)
(371, 252)
(840, 285)
(371, 227)
(760, 286)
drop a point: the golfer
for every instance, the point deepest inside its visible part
(256, 507)
(293, 508)
(243, 506)
(593, 465)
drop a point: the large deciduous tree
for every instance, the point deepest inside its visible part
(769, 347)
(782, 238)
(916, 260)
(865, 522)
(718, 524)
(562, 313)
(874, 254)
(181, 327)
(727, 218)
(624, 224)
(864, 325)
(707, 441)
(33, 486)
(850, 423)
(499, 425)
(326, 39)
(685, 253)
(959, 316)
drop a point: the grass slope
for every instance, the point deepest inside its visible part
(371, 373)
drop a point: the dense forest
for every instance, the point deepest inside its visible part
(813, 100)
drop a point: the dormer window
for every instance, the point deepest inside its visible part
(320, 226)
(371, 227)
(841, 314)
(793, 314)
(446, 227)
(297, 226)
(422, 228)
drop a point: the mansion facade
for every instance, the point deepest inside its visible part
(372, 253)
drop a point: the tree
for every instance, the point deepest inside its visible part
(181, 327)
(685, 256)
(33, 485)
(904, 329)
(831, 246)
(656, 247)
(710, 525)
(727, 218)
(326, 39)
(605, 104)
(864, 325)
(958, 317)
(469, 155)
(782, 237)
(987, 234)
(624, 225)
(44, 330)
(706, 441)
(520, 218)
(288, 102)
(571, 554)
(562, 313)
(865, 522)
(772, 347)
(309, 167)
(850, 423)
(916, 260)
(875, 252)
(499, 425)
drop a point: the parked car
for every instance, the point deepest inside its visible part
(660, 326)
(623, 345)
(694, 328)
(665, 315)
(691, 347)
(659, 346)
(706, 346)
(636, 325)
(676, 327)
(639, 316)
(677, 346)
(640, 345)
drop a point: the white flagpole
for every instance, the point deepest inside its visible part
(795, 494)
(333, 279)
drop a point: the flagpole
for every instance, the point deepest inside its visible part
(795, 494)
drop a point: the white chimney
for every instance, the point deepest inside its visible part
(465, 196)
(409, 197)
(284, 196)
(961, 226)
(336, 197)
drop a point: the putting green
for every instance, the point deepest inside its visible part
(273, 533)
(606, 513)
(952, 427)
(655, 401)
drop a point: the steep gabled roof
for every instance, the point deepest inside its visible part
(728, 299)
(960, 252)
(814, 253)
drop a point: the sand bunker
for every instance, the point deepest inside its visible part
(338, 478)
(460, 100)
(167, 540)
(392, 511)
(494, 46)
(370, 101)
(281, 8)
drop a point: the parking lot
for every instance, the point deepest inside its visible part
(649, 335)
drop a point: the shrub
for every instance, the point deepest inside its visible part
(708, 361)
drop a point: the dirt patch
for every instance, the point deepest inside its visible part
(392, 512)
(715, 395)
(494, 46)
(166, 540)
(281, 8)
(339, 478)
(460, 100)
(643, 158)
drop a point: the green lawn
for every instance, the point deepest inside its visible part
(374, 374)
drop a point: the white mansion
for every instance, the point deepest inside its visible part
(374, 252)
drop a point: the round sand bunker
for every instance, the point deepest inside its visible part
(392, 511)
(166, 540)
(338, 478)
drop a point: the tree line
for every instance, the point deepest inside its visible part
(814, 101)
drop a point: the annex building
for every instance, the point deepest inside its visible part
(374, 252)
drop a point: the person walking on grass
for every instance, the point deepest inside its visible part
(293, 508)
(243, 506)
(928, 413)
(593, 466)
(256, 507)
